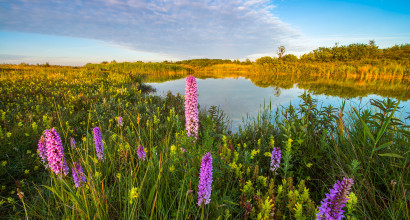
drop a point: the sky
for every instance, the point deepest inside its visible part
(76, 32)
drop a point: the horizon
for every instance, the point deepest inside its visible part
(82, 32)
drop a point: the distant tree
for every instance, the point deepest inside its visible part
(290, 58)
(265, 60)
(104, 62)
(281, 51)
(247, 62)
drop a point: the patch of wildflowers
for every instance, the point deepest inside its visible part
(205, 180)
(78, 174)
(191, 107)
(275, 159)
(55, 154)
(42, 149)
(141, 152)
(98, 143)
(332, 206)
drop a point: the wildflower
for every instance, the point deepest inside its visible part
(42, 149)
(141, 152)
(98, 143)
(55, 154)
(26, 172)
(191, 107)
(78, 174)
(173, 150)
(133, 194)
(72, 142)
(275, 160)
(331, 206)
(205, 180)
(4, 163)
(183, 149)
(119, 120)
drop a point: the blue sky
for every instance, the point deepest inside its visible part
(76, 32)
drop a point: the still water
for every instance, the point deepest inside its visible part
(239, 98)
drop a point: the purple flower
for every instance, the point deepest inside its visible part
(119, 120)
(332, 206)
(275, 160)
(191, 107)
(72, 142)
(98, 143)
(183, 149)
(141, 152)
(78, 174)
(55, 154)
(205, 180)
(42, 149)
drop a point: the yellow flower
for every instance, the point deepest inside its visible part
(173, 150)
(28, 152)
(133, 194)
(118, 176)
(3, 163)
(267, 154)
(253, 153)
(26, 172)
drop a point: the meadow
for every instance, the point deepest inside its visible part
(145, 161)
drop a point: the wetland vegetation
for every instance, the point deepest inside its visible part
(151, 168)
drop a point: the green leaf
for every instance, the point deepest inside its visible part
(384, 126)
(366, 128)
(384, 145)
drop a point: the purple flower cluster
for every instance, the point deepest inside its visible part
(275, 159)
(332, 206)
(72, 142)
(55, 154)
(119, 120)
(42, 149)
(191, 107)
(78, 174)
(141, 152)
(98, 143)
(205, 180)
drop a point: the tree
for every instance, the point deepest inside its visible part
(281, 51)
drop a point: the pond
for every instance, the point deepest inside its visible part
(241, 99)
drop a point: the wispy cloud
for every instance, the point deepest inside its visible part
(182, 28)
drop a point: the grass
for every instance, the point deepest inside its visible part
(319, 146)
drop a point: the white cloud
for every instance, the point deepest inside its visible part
(180, 28)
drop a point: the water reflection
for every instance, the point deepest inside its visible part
(239, 97)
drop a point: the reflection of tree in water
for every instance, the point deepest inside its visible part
(276, 91)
